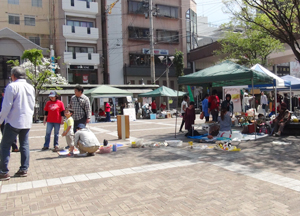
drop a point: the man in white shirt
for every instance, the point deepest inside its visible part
(184, 105)
(17, 111)
(264, 102)
(86, 141)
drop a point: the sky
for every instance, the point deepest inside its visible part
(213, 10)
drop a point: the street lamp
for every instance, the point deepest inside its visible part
(162, 58)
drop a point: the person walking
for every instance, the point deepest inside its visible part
(264, 102)
(81, 106)
(14, 147)
(17, 110)
(54, 117)
(213, 105)
(205, 107)
(184, 105)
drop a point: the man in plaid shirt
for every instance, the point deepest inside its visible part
(81, 106)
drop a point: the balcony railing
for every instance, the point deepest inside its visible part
(82, 7)
(78, 32)
(81, 58)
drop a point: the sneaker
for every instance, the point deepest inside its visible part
(45, 148)
(56, 149)
(67, 147)
(276, 135)
(15, 150)
(4, 176)
(90, 154)
(21, 173)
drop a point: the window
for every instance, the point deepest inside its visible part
(136, 7)
(167, 11)
(35, 40)
(138, 33)
(29, 20)
(80, 23)
(167, 36)
(139, 59)
(80, 49)
(14, 19)
(132, 82)
(36, 3)
(13, 2)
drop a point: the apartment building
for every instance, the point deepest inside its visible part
(23, 25)
(78, 40)
(128, 42)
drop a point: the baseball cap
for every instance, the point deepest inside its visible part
(52, 94)
(81, 126)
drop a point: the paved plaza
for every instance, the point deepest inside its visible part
(262, 179)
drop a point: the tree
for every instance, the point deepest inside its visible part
(39, 72)
(179, 65)
(278, 18)
(249, 46)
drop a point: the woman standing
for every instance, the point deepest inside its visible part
(189, 116)
(107, 111)
(54, 112)
(153, 106)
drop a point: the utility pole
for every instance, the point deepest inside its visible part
(167, 79)
(152, 62)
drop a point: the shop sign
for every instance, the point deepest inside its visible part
(85, 78)
(82, 67)
(156, 51)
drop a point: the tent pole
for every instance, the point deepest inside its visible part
(291, 108)
(176, 108)
(253, 104)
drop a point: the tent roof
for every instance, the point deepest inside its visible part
(162, 91)
(226, 73)
(279, 81)
(292, 79)
(106, 91)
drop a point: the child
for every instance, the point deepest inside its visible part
(68, 129)
(225, 123)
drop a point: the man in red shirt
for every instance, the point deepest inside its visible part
(54, 112)
(213, 105)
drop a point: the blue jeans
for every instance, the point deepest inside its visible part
(50, 126)
(108, 116)
(9, 136)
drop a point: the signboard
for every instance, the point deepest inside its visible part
(85, 78)
(235, 98)
(129, 99)
(130, 112)
(82, 67)
(156, 51)
(147, 100)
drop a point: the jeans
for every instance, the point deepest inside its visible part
(9, 136)
(49, 128)
(108, 116)
(206, 118)
(14, 144)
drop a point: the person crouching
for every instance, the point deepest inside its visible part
(86, 141)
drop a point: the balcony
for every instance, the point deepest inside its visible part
(81, 58)
(80, 7)
(79, 33)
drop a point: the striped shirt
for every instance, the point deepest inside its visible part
(81, 106)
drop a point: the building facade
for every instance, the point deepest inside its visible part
(23, 25)
(128, 39)
(77, 38)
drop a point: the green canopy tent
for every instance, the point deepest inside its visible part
(226, 73)
(163, 91)
(106, 92)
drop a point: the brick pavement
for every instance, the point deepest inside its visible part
(219, 185)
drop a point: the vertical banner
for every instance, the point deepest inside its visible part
(235, 98)
(85, 78)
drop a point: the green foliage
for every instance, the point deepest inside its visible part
(249, 46)
(178, 63)
(13, 62)
(35, 56)
(277, 18)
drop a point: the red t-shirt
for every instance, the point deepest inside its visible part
(107, 107)
(153, 105)
(214, 102)
(54, 109)
(102, 113)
